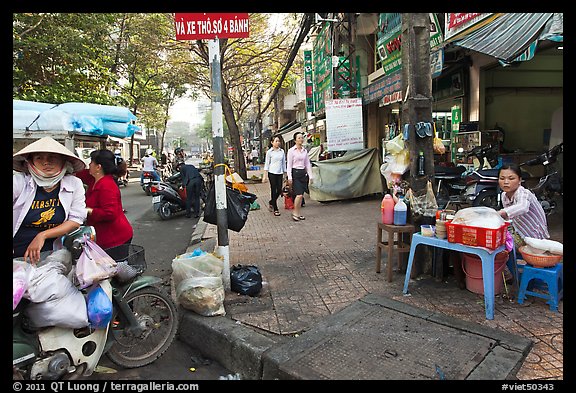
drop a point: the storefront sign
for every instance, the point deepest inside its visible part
(389, 44)
(388, 88)
(201, 26)
(344, 129)
(459, 22)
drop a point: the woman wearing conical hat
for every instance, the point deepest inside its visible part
(48, 201)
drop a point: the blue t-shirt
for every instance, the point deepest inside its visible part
(45, 212)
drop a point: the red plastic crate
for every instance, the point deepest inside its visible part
(476, 236)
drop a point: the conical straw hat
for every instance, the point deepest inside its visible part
(45, 145)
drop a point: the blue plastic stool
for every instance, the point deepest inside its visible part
(552, 276)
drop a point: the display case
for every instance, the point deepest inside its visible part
(469, 140)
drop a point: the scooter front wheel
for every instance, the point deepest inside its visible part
(156, 315)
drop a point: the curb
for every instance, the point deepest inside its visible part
(233, 345)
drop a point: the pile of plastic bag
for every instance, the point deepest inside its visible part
(55, 301)
(197, 278)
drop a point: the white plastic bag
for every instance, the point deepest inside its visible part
(551, 246)
(94, 265)
(479, 216)
(55, 300)
(203, 295)
(198, 283)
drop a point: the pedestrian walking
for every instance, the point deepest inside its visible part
(254, 156)
(299, 171)
(274, 170)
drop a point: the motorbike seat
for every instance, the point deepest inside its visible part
(488, 172)
(449, 172)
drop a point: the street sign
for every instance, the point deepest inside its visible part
(202, 26)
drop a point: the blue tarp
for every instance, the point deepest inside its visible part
(87, 118)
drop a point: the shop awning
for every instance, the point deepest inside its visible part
(288, 131)
(507, 36)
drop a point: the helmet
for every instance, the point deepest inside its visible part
(117, 151)
(148, 151)
(178, 150)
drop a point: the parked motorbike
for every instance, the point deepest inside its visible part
(143, 325)
(456, 185)
(550, 186)
(169, 197)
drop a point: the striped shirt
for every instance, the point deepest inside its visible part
(275, 161)
(526, 213)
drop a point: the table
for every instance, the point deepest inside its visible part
(487, 257)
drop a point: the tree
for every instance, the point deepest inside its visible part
(247, 70)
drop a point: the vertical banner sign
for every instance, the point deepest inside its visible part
(322, 51)
(308, 81)
(202, 26)
(344, 129)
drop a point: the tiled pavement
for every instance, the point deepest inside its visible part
(313, 268)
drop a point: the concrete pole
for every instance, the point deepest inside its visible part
(417, 107)
(219, 174)
(417, 92)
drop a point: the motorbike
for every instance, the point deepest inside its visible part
(169, 197)
(147, 181)
(143, 325)
(551, 185)
(459, 186)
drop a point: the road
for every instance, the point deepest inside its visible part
(163, 240)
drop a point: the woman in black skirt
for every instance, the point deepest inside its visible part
(299, 171)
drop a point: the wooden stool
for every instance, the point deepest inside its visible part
(394, 244)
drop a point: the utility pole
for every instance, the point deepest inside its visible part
(417, 99)
(218, 138)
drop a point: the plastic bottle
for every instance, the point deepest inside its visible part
(400, 212)
(387, 208)
(421, 164)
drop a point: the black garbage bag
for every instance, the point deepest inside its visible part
(246, 279)
(238, 207)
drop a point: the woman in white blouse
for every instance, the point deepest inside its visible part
(274, 170)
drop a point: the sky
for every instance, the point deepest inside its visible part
(187, 110)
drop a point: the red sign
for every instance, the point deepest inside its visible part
(211, 26)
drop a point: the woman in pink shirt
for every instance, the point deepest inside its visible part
(299, 171)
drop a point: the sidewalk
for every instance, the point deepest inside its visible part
(321, 269)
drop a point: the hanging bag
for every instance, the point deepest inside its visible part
(237, 206)
(99, 307)
(94, 265)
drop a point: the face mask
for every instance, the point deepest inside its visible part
(46, 181)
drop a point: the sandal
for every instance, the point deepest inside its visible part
(270, 207)
(301, 218)
(295, 218)
(276, 213)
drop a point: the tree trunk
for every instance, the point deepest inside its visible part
(228, 111)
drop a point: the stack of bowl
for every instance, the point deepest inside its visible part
(441, 229)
